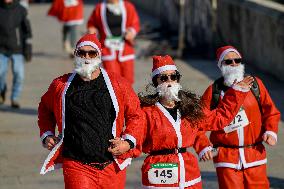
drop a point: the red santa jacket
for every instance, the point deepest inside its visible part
(51, 112)
(250, 134)
(130, 20)
(70, 12)
(161, 131)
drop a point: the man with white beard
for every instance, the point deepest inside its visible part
(241, 158)
(176, 120)
(90, 108)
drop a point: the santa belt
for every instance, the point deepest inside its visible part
(99, 166)
(168, 151)
(235, 146)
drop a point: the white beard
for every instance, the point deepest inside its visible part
(232, 73)
(114, 8)
(169, 91)
(86, 70)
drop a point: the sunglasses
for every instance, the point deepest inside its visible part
(230, 61)
(173, 77)
(83, 54)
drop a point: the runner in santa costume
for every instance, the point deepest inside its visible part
(70, 13)
(176, 121)
(241, 159)
(117, 23)
(90, 108)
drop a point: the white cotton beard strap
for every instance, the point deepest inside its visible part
(169, 91)
(114, 8)
(232, 73)
(85, 67)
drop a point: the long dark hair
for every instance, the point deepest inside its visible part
(190, 105)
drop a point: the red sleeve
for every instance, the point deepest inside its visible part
(201, 143)
(133, 114)
(56, 8)
(271, 115)
(92, 22)
(225, 112)
(134, 18)
(46, 118)
(207, 97)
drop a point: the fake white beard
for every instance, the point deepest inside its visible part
(232, 73)
(169, 91)
(86, 70)
(114, 8)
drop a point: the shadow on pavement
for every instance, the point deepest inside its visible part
(23, 110)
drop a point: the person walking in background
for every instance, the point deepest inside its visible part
(15, 38)
(70, 13)
(241, 159)
(91, 107)
(175, 121)
(116, 22)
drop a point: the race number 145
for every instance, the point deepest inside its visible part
(163, 173)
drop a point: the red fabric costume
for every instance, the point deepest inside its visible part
(161, 131)
(229, 160)
(119, 61)
(69, 12)
(51, 113)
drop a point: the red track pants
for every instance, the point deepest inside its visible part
(250, 178)
(80, 176)
(125, 69)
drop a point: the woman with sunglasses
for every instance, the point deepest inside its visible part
(175, 121)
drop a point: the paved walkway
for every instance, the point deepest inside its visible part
(21, 153)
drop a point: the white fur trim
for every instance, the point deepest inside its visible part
(130, 137)
(271, 133)
(192, 182)
(238, 88)
(224, 53)
(44, 170)
(124, 164)
(162, 69)
(89, 43)
(44, 135)
(206, 149)
(74, 22)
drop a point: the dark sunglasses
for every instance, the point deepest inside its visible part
(83, 54)
(230, 61)
(173, 77)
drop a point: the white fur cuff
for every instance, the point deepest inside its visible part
(208, 148)
(238, 88)
(271, 133)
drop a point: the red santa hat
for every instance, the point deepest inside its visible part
(223, 51)
(161, 64)
(90, 40)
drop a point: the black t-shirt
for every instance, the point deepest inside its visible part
(89, 119)
(173, 112)
(114, 23)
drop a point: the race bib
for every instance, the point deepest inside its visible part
(70, 3)
(115, 43)
(241, 120)
(163, 173)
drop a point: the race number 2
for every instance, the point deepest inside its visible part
(240, 120)
(163, 173)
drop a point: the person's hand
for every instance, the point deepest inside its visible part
(207, 156)
(129, 36)
(93, 30)
(50, 142)
(118, 146)
(246, 83)
(269, 139)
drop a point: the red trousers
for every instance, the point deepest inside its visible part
(125, 69)
(80, 176)
(250, 178)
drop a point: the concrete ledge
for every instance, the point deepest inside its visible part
(256, 28)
